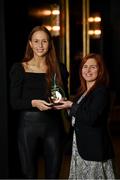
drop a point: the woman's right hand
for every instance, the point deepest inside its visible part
(63, 104)
(41, 104)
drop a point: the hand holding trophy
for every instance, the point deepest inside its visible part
(57, 93)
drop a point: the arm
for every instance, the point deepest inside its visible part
(94, 110)
(16, 87)
(16, 84)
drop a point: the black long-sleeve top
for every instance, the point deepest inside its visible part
(26, 86)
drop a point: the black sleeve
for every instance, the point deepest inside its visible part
(16, 84)
(97, 108)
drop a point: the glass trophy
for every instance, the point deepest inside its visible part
(57, 93)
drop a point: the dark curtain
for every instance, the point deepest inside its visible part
(3, 99)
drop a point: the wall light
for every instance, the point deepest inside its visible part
(50, 16)
(94, 26)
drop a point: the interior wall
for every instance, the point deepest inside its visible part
(114, 45)
(3, 99)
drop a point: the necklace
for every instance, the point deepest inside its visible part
(34, 69)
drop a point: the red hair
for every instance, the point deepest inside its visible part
(102, 78)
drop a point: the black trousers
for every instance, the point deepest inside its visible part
(34, 128)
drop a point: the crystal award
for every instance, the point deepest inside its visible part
(57, 93)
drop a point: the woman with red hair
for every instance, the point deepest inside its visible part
(92, 151)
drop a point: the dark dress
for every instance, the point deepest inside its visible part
(43, 128)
